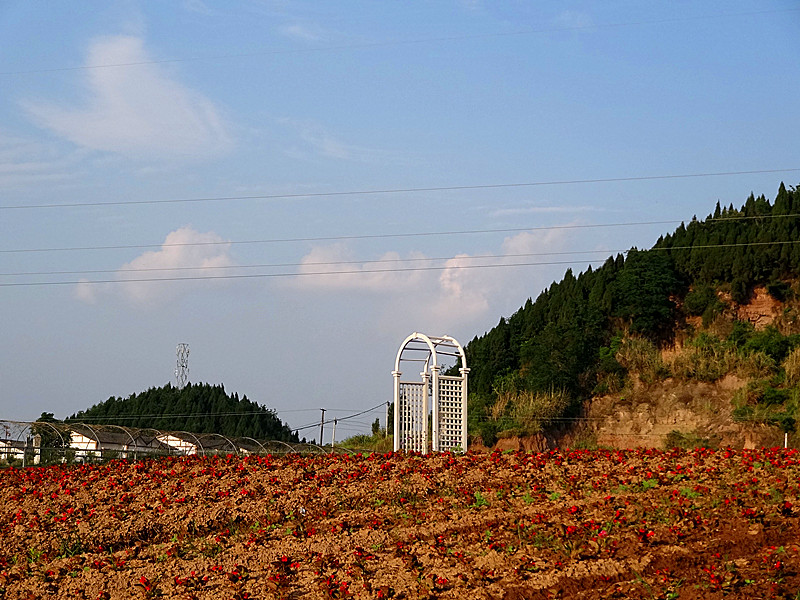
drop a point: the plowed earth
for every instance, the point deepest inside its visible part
(583, 524)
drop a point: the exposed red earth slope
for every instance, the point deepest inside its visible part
(583, 524)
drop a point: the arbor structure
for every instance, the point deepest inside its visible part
(430, 413)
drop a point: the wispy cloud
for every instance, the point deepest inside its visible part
(177, 252)
(198, 6)
(304, 33)
(138, 111)
(530, 210)
(24, 161)
(315, 140)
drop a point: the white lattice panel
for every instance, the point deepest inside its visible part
(451, 413)
(413, 420)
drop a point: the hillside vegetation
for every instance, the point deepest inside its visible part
(199, 408)
(681, 310)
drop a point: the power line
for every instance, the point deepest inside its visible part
(393, 190)
(363, 412)
(367, 45)
(272, 275)
(303, 264)
(358, 414)
(382, 235)
(332, 238)
(388, 260)
(346, 272)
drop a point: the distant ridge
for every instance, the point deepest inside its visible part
(198, 408)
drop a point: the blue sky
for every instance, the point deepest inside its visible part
(267, 114)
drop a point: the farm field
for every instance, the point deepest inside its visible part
(563, 524)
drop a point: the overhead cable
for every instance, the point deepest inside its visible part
(388, 260)
(394, 190)
(385, 235)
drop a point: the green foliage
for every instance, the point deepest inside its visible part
(53, 438)
(377, 442)
(643, 294)
(687, 440)
(703, 301)
(569, 338)
(640, 356)
(791, 366)
(772, 343)
(478, 422)
(527, 413)
(198, 408)
(761, 401)
(780, 290)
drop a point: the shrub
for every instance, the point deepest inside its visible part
(687, 441)
(742, 330)
(755, 364)
(640, 356)
(703, 301)
(534, 410)
(526, 412)
(585, 440)
(707, 358)
(792, 366)
(772, 342)
(780, 290)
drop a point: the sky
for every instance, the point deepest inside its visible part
(314, 181)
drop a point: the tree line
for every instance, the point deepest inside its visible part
(198, 408)
(563, 343)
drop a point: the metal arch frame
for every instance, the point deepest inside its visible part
(256, 442)
(430, 377)
(232, 445)
(292, 449)
(96, 439)
(21, 427)
(27, 426)
(138, 431)
(308, 446)
(126, 431)
(200, 450)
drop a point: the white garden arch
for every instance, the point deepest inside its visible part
(442, 398)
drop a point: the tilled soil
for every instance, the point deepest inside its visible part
(581, 524)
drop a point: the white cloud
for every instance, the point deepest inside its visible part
(86, 292)
(185, 253)
(444, 299)
(137, 111)
(318, 272)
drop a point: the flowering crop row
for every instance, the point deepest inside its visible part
(562, 524)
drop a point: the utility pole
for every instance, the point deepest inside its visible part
(333, 438)
(386, 422)
(321, 427)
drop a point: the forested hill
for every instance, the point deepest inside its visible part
(567, 339)
(198, 408)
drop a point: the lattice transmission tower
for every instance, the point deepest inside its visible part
(182, 368)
